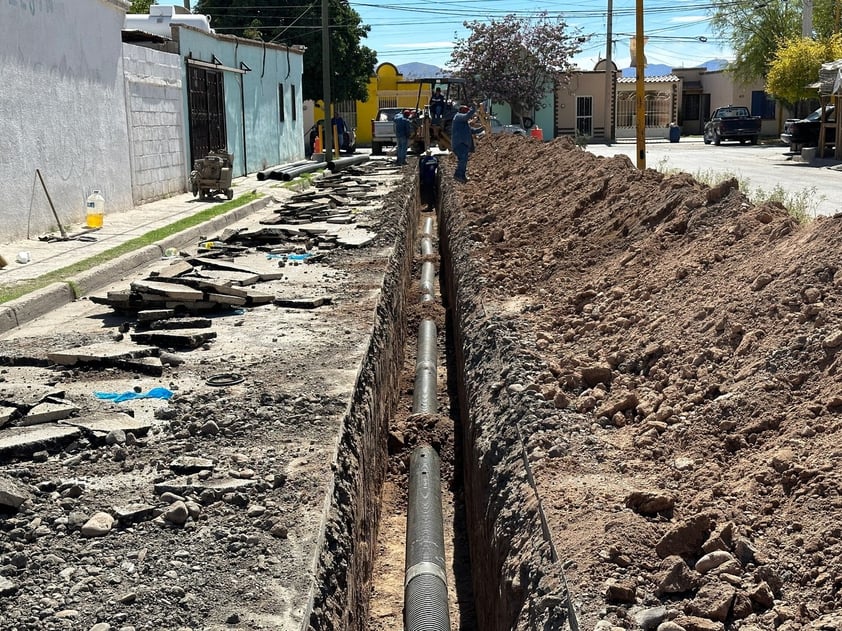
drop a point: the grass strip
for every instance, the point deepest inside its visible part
(64, 273)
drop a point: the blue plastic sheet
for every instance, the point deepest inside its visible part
(154, 393)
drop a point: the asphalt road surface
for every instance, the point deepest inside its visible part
(763, 167)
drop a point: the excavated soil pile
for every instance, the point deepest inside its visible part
(690, 344)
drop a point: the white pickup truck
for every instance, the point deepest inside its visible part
(383, 129)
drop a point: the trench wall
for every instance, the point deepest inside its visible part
(517, 577)
(343, 569)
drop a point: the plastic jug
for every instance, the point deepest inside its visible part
(537, 132)
(95, 206)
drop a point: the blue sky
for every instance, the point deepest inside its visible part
(404, 31)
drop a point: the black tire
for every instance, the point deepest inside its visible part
(376, 148)
(527, 122)
(743, 141)
(229, 193)
(753, 140)
(717, 139)
(418, 147)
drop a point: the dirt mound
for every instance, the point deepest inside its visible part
(692, 342)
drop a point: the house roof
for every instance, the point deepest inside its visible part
(667, 78)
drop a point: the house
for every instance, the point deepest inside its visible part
(89, 104)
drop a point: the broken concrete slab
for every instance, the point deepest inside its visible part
(131, 513)
(22, 441)
(152, 366)
(171, 291)
(152, 315)
(184, 339)
(7, 413)
(191, 464)
(12, 494)
(101, 352)
(303, 303)
(101, 424)
(181, 323)
(188, 484)
(47, 412)
(23, 395)
(356, 240)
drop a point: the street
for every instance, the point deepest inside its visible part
(761, 167)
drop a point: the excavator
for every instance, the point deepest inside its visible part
(428, 130)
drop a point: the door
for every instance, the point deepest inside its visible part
(206, 100)
(584, 116)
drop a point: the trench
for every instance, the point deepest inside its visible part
(502, 569)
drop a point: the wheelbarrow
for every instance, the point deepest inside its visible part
(211, 175)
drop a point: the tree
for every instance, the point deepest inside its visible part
(514, 60)
(756, 29)
(296, 23)
(141, 7)
(796, 64)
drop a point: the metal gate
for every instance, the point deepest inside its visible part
(584, 116)
(206, 100)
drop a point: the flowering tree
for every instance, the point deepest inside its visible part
(515, 60)
(796, 64)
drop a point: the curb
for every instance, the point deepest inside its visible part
(22, 310)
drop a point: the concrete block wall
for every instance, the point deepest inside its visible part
(154, 95)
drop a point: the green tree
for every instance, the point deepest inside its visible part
(297, 23)
(756, 28)
(514, 61)
(141, 7)
(796, 64)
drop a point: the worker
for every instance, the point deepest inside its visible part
(403, 129)
(428, 166)
(437, 106)
(462, 141)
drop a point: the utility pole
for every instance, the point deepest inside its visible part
(609, 76)
(328, 118)
(807, 18)
(640, 63)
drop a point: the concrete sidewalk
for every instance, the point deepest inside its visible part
(118, 228)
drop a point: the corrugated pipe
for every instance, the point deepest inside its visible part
(424, 397)
(425, 579)
(341, 163)
(428, 281)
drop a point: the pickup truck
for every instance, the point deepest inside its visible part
(732, 123)
(383, 129)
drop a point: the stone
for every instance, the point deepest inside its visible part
(712, 560)
(177, 513)
(676, 577)
(619, 592)
(115, 437)
(7, 587)
(669, 625)
(98, 525)
(650, 618)
(650, 502)
(130, 513)
(593, 375)
(7, 413)
(210, 428)
(685, 538)
(695, 623)
(762, 595)
(12, 494)
(712, 601)
(100, 626)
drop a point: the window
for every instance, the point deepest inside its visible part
(292, 100)
(584, 116)
(281, 104)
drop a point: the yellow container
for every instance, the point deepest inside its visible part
(95, 207)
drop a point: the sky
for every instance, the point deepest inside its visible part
(404, 31)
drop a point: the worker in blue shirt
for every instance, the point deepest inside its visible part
(428, 166)
(403, 129)
(462, 141)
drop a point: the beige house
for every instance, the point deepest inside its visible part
(594, 106)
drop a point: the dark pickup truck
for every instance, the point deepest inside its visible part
(732, 123)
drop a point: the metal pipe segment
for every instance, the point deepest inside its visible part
(425, 579)
(424, 399)
(428, 281)
(341, 163)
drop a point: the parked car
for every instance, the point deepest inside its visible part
(804, 132)
(499, 128)
(732, 123)
(347, 140)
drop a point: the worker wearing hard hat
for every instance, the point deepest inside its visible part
(462, 141)
(403, 130)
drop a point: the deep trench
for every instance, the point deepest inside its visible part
(502, 569)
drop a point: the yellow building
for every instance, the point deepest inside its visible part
(386, 88)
